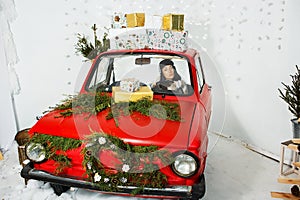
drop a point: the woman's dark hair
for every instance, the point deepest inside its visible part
(165, 62)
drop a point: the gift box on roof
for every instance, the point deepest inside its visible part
(167, 40)
(118, 21)
(133, 39)
(135, 19)
(173, 22)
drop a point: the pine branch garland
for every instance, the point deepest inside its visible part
(129, 172)
(91, 103)
(147, 107)
(95, 102)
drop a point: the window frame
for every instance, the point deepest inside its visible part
(199, 70)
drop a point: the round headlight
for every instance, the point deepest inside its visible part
(185, 165)
(36, 152)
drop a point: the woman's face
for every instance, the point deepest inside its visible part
(168, 72)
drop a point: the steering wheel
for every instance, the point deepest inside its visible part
(163, 85)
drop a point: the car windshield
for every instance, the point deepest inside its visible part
(162, 73)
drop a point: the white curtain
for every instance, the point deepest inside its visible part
(9, 82)
(7, 15)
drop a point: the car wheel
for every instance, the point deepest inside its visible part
(198, 190)
(59, 189)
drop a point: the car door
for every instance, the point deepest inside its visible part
(204, 89)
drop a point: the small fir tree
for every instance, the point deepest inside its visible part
(89, 50)
(291, 94)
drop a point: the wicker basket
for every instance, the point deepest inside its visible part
(22, 137)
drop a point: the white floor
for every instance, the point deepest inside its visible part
(232, 172)
(235, 172)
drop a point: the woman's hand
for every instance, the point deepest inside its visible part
(179, 86)
(176, 86)
(164, 85)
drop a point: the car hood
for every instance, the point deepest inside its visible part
(136, 129)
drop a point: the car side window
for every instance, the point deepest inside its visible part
(200, 76)
(100, 72)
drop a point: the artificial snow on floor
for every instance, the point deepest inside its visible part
(232, 172)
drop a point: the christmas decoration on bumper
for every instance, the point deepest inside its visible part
(131, 165)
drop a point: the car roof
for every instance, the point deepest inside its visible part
(188, 52)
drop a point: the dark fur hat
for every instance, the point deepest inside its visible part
(166, 62)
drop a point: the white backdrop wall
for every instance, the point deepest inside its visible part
(249, 47)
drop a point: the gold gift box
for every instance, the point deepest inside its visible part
(173, 22)
(122, 96)
(135, 19)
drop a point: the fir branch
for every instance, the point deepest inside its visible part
(62, 162)
(53, 144)
(145, 106)
(93, 103)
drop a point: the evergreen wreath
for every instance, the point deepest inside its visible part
(128, 172)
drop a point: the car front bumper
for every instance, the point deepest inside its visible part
(28, 172)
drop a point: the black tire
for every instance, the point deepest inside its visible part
(59, 189)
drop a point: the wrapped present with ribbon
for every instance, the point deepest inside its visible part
(129, 85)
(135, 20)
(173, 22)
(118, 21)
(130, 39)
(167, 40)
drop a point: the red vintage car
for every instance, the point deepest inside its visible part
(137, 127)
